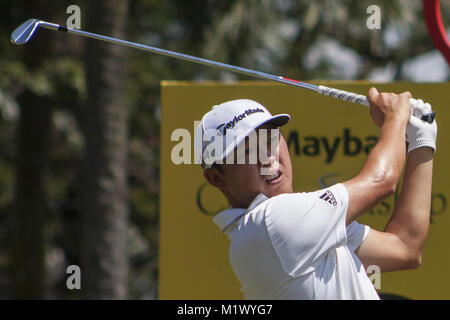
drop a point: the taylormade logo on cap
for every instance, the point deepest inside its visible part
(230, 125)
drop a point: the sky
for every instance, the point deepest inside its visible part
(345, 62)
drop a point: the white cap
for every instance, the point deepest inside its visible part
(232, 121)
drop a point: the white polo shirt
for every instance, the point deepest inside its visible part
(297, 246)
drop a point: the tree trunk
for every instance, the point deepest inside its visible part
(32, 152)
(31, 208)
(104, 121)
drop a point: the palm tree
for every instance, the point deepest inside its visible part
(104, 189)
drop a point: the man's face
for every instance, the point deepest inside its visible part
(267, 169)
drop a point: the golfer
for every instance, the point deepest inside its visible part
(289, 245)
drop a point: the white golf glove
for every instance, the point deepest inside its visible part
(420, 133)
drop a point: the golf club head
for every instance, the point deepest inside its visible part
(23, 33)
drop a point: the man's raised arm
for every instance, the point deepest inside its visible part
(401, 244)
(379, 176)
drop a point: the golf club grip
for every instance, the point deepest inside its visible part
(360, 99)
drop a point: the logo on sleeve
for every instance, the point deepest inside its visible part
(328, 196)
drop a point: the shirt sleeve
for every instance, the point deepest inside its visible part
(304, 227)
(356, 233)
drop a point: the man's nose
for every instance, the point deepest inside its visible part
(267, 161)
(270, 166)
(267, 156)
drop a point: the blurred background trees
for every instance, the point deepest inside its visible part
(79, 119)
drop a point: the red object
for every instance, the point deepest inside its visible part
(291, 79)
(435, 27)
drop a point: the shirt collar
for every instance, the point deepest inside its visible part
(230, 215)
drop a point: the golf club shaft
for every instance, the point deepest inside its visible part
(331, 92)
(181, 56)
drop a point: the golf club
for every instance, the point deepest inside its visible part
(26, 30)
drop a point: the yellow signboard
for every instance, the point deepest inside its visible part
(328, 141)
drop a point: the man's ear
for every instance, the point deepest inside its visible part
(214, 177)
